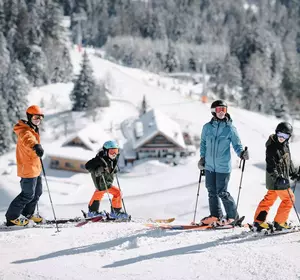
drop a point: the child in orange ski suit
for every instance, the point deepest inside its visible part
(279, 168)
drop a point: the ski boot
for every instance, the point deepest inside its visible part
(209, 221)
(225, 222)
(282, 226)
(261, 226)
(35, 218)
(118, 215)
(93, 214)
(20, 221)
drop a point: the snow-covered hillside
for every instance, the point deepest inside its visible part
(131, 251)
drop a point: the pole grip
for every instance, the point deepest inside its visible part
(243, 167)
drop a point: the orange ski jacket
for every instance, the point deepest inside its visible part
(28, 163)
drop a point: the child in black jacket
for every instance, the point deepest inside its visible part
(103, 168)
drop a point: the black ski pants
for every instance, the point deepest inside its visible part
(25, 203)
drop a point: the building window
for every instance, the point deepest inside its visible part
(69, 165)
(54, 163)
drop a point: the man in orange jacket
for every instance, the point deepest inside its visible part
(28, 154)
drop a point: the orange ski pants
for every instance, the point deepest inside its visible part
(283, 210)
(114, 191)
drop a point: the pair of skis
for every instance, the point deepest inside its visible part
(237, 223)
(101, 219)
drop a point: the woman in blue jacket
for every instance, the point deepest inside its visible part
(215, 159)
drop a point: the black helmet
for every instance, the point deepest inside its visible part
(217, 103)
(284, 127)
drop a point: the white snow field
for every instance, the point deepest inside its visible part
(131, 251)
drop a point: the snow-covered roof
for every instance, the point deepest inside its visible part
(92, 137)
(155, 122)
(71, 153)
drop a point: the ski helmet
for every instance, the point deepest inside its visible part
(111, 149)
(34, 110)
(111, 144)
(215, 104)
(284, 127)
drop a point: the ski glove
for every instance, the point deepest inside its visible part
(38, 150)
(244, 155)
(201, 163)
(281, 183)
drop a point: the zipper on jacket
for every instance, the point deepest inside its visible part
(215, 147)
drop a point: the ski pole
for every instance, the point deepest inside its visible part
(111, 206)
(121, 191)
(240, 187)
(294, 203)
(57, 229)
(200, 177)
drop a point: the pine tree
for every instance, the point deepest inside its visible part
(35, 33)
(52, 22)
(4, 55)
(11, 14)
(63, 70)
(144, 106)
(5, 128)
(2, 17)
(84, 89)
(36, 66)
(171, 61)
(15, 91)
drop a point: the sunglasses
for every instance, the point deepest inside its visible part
(113, 152)
(219, 109)
(37, 117)
(283, 135)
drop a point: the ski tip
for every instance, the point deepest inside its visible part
(168, 220)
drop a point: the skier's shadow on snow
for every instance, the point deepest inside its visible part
(128, 242)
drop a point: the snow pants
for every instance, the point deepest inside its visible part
(25, 203)
(283, 211)
(217, 184)
(98, 195)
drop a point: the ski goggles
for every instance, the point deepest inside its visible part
(113, 152)
(219, 109)
(283, 135)
(37, 117)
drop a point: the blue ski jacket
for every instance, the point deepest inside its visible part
(215, 142)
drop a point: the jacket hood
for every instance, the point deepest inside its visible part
(21, 126)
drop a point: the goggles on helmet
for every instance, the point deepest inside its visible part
(113, 152)
(219, 109)
(283, 135)
(37, 117)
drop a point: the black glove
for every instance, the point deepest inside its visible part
(201, 163)
(282, 183)
(38, 150)
(244, 155)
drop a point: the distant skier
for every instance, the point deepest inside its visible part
(28, 153)
(215, 159)
(103, 168)
(279, 168)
